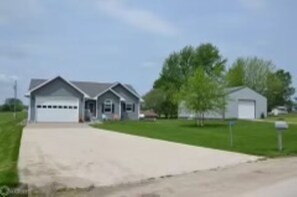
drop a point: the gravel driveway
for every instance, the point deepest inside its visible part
(76, 156)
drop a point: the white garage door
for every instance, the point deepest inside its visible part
(57, 109)
(246, 109)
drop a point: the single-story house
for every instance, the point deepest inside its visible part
(242, 103)
(59, 100)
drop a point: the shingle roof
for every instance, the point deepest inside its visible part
(90, 88)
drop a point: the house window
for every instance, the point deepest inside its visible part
(129, 107)
(107, 105)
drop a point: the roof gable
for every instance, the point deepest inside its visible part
(234, 89)
(133, 92)
(112, 91)
(41, 83)
(244, 90)
(92, 89)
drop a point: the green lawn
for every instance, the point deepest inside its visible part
(256, 138)
(10, 136)
(292, 117)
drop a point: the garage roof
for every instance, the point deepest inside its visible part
(90, 88)
(234, 89)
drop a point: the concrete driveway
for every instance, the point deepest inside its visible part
(76, 156)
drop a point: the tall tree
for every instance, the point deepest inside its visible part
(208, 57)
(203, 93)
(273, 89)
(252, 72)
(154, 100)
(179, 66)
(286, 90)
(236, 74)
(260, 75)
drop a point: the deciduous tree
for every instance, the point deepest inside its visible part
(286, 90)
(203, 93)
(179, 66)
(260, 75)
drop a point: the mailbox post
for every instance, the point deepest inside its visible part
(280, 126)
(231, 124)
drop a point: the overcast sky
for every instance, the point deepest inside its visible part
(128, 40)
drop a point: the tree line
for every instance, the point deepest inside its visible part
(12, 104)
(198, 76)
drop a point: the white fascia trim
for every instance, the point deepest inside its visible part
(121, 98)
(138, 110)
(120, 111)
(88, 97)
(50, 80)
(29, 110)
(118, 83)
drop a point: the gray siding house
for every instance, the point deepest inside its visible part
(59, 100)
(242, 103)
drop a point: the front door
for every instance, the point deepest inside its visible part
(123, 107)
(92, 109)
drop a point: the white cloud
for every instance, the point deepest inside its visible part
(139, 18)
(254, 4)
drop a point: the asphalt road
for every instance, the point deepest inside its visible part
(273, 178)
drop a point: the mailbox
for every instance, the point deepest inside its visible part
(281, 125)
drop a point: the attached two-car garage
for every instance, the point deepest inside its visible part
(55, 100)
(57, 109)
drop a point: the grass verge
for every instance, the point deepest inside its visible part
(291, 117)
(257, 138)
(10, 138)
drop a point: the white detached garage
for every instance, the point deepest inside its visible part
(242, 103)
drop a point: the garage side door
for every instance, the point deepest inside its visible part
(57, 109)
(246, 109)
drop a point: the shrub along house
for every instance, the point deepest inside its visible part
(59, 100)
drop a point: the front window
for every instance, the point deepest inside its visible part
(129, 107)
(107, 105)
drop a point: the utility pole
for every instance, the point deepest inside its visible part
(15, 98)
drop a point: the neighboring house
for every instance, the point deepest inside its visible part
(59, 100)
(242, 103)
